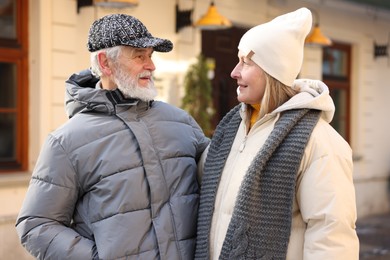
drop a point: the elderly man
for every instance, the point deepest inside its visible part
(118, 180)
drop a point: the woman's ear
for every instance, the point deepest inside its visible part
(104, 64)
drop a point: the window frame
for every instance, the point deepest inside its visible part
(341, 83)
(16, 51)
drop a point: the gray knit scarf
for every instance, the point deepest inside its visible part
(261, 221)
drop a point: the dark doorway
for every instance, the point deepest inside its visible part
(221, 45)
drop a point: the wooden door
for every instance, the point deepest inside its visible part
(221, 45)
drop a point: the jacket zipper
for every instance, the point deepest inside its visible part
(243, 143)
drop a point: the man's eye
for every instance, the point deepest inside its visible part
(141, 57)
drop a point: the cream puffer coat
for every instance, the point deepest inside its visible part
(117, 181)
(324, 207)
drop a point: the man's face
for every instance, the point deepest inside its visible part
(132, 73)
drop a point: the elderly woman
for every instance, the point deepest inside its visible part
(277, 178)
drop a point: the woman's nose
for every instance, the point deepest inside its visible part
(235, 72)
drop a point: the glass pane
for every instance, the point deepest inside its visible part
(7, 85)
(7, 137)
(8, 19)
(334, 63)
(339, 120)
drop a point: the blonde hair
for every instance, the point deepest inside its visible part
(275, 94)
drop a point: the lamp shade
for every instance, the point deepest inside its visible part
(213, 20)
(116, 3)
(316, 37)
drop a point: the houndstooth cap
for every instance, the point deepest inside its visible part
(121, 29)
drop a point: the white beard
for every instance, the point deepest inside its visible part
(130, 88)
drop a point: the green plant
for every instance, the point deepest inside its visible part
(198, 94)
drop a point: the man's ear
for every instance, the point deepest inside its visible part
(104, 63)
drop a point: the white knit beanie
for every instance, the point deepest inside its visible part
(278, 45)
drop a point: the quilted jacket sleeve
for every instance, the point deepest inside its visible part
(203, 141)
(326, 197)
(43, 224)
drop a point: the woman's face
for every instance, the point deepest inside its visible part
(250, 80)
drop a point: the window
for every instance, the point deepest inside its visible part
(13, 85)
(336, 74)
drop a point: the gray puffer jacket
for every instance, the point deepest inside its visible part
(117, 181)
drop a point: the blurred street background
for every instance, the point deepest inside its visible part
(374, 236)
